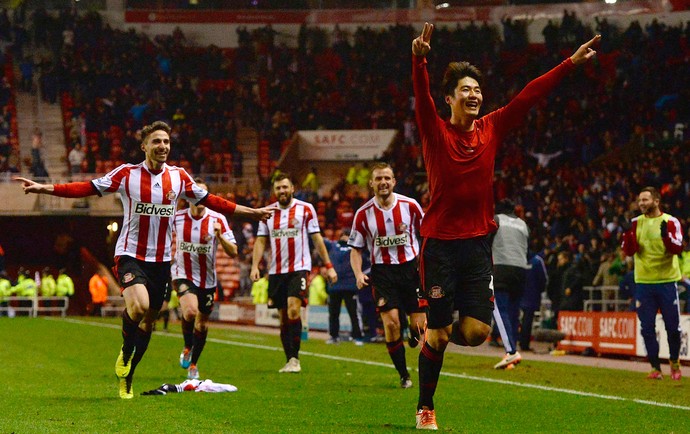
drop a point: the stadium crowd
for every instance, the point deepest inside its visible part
(9, 152)
(574, 170)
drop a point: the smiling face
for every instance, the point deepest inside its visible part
(648, 205)
(156, 146)
(283, 190)
(382, 182)
(466, 99)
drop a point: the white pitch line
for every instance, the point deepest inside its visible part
(386, 365)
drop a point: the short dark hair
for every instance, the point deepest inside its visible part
(505, 206)
(201, 181)
(280, 176)
(156, 126)
(653, 191)
(457, 71)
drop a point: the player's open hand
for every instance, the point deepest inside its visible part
(585, 52)
(421, 44)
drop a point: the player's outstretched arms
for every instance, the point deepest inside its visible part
(585, 52)
(72, 190)
(30, 186)
(421, 44)
(224, 206)
(259, 214)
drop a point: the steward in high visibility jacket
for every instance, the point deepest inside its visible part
(25, 287)
(48, 284)
(260, 291)
(65, 285)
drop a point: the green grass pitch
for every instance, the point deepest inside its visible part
(59, 377)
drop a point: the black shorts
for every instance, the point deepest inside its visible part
(456, 275)
(396, 286)
(204, 296)
(282, 286)
(154, 275)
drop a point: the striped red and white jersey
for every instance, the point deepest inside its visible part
(288, 231)
(149, 202)
(196, 246)
(390, 235)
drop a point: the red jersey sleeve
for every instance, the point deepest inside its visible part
(425, 108)
(219, 204)
(673, 238)
(629, 244)
(75, 189)
(514, 112)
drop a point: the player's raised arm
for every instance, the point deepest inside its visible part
(421, 45)
(585, 52)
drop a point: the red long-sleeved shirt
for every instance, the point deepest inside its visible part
(460, 165)
(148, 201)
(86, 188)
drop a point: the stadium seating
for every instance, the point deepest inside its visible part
(613, 139)
(9, 133)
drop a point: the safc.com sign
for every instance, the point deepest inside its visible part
(615, 333)
(344, 145)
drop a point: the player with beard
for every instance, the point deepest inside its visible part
(655, 239)
(148, 191)
(459, 156)
(388, 225)
(288, 230)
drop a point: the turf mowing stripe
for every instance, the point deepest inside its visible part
(386, 365)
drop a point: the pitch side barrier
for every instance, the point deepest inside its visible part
(33, 306)
(113, 306)
(615, 333)
(604, 298)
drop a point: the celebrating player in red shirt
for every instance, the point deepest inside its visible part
(288, 232)
(148, 191)
(459, 155)
(388, 225)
